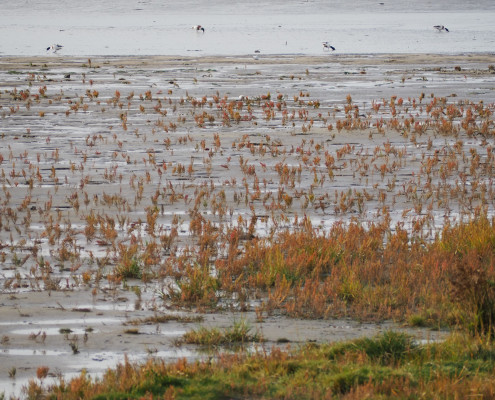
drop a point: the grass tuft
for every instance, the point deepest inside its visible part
(239, 332)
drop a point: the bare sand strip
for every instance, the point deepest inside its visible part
(59, 61)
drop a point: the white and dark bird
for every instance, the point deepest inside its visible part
(198, 28)
(440, 28)
(54, 47)
(328, 46)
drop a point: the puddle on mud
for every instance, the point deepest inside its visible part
(62, 322)
(52, 331)
(33, 352)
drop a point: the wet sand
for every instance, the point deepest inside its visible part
(111, 131)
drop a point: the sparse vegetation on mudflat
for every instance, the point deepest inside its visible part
(281, 199)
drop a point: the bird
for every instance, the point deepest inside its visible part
(54, 47)
(441, 28)
(328, 46)
(198, 28)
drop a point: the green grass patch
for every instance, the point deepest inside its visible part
(390, 365)
(239, 332)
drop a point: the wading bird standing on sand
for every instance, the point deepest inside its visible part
(54, 47)
(198, 28)
(440, 28)
(328, 46)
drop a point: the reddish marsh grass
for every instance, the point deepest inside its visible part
(364, 273)
(469, 251)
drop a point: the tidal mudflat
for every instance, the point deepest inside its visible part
(138, 193)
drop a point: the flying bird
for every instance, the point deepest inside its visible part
(54, 47)
(198, 28)
(441, 28)
(328, 46)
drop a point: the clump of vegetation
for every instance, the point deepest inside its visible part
(164, 318)
(470, 252)
(238, 333)
(130, 269)
(373, 272)
(388, 348)
(195, 286)
(132, 331)
(376, 272)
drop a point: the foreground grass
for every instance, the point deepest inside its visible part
(391, 365)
